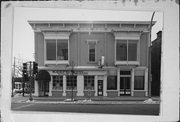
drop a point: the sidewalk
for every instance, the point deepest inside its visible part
(83, 100)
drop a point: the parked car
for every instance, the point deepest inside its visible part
(26, 90)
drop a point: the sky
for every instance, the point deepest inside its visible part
(23, 35)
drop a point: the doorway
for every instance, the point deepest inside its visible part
(43, 88)
(100, 87)
(125, 86)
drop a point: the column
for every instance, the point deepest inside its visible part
(132, 82)
(80, 85)
(64, 85)
(118, 81)
(105, 85)
(146, 82)
(36, 88)
(50, 86)
(95, 85)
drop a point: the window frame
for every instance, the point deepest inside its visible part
(55, 61)
(137, 53)
(116, 83)
(88, 80)
(59, 80)
(95, 47)
(143, 77)
(67, 84)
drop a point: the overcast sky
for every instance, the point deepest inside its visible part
(23, 36)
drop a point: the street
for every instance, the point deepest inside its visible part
(134, 109)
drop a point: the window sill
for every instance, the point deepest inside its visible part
(89, 90)
(127, 62)
(140, 90)
(57, 90)
(71, 90)
(92, 62)
(112, 90)
(56, 62)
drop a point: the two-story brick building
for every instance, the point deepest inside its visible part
(108, 58)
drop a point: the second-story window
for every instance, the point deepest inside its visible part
(51, 49)
(126, 50)
(62, 50)
(57, 49)
(92, 50)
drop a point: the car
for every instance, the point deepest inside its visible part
(26, 90)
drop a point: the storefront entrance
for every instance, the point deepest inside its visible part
(43, 88)
(100, 87)
(125, 86)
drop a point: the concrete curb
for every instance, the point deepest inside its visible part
(104, 101)
(88, 102)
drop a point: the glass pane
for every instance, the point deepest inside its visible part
(125, 72)
(132, 50)
(127, 80)
(88, 82)
(121, 50)
(51, 49)
(139, 83)
(57, 82)
(71, 82)
(91, 52)
(62, 50)
(112, 83)
(121, 83)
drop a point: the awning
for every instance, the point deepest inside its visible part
(43, 75)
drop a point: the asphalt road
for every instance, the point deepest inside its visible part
(134, 109)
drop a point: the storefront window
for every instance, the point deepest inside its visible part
(57, 82)
(57, 50)
(88, 82)
(112, 83)
(139, 83)
(71, 82)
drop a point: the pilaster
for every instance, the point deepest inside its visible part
(95, 85)
(64, 85)
(80, 85)
(118, 81)
(50, 86)
(132, 82)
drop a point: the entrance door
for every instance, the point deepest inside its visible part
(43, 88)
(125, 86)
(100, 87)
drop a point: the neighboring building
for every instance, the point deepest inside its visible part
(156, 64)
(17, 83)
(107, 58)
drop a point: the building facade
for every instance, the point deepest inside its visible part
(100, 58)
(156, 64)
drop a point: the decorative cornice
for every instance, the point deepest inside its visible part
(85, 26)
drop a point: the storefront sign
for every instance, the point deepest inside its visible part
(67, 72)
